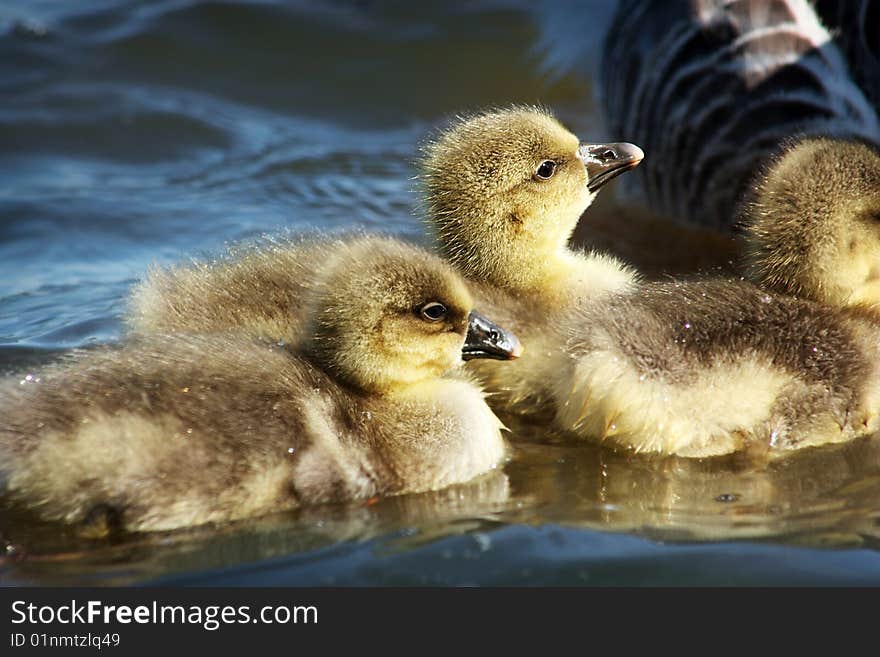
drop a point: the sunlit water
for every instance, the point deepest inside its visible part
(136, 133)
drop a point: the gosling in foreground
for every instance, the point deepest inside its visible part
(170, 431)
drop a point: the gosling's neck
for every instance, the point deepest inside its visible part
(549, 276)
(373, 372)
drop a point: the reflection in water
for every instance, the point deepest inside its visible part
(821, 497)
(50, 553)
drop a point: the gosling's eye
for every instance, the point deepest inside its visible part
(546, 170)
(433, 312)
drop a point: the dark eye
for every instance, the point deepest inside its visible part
(546, 170)
(433, 312)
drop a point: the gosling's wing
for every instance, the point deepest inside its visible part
(710, 88)
(169, 431)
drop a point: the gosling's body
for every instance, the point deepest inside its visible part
(694, 369)
(176, 430)
(194, 429)
(811, 225)
(708, 368)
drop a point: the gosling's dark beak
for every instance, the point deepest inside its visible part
(486, 340)
(605, 162)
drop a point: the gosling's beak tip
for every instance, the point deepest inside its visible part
(516, 349)
(636, 153)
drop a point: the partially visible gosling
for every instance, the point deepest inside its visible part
(171, 431)
(258, 290)
(812, 227)
(521, 244)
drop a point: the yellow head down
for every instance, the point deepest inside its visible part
(387, 315)
(505, 190)
(813, 226)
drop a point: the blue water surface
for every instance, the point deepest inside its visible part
(135, 133)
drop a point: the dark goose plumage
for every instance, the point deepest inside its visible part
(855, 25)
(711, 88)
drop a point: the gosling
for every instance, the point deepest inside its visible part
(811, 225)
(726, 93)
(688, 368)
(169, 431)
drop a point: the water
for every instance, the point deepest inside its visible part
(137, 133)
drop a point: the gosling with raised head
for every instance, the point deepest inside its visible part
(689, 368)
